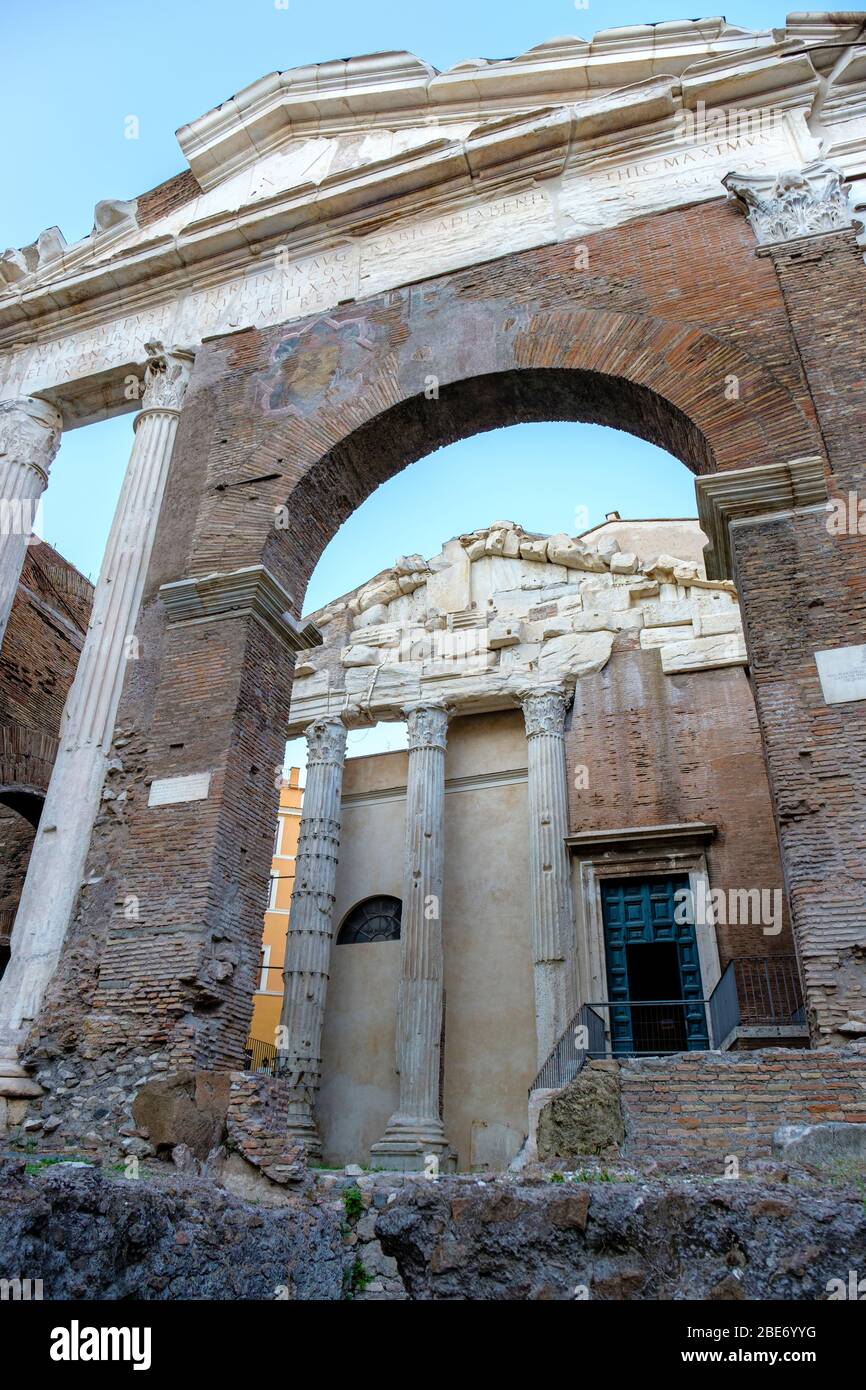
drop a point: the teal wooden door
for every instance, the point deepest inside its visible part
(639, 913)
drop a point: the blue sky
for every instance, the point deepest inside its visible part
(75, 71)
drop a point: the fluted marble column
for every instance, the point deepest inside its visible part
(311, 927)
(416, 1128)
(30, 432)
(551, 902)
(57, 860)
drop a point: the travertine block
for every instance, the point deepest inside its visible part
(667, 614)
(704, 654)
(714, 624)
(562, 550)
(661, 636)
(504, 632)
(360, 655)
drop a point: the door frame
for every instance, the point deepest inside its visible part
(636, 852)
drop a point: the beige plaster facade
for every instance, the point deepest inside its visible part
(489, 1022)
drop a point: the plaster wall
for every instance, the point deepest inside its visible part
(489, 1021)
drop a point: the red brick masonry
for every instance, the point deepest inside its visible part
(706, 1104)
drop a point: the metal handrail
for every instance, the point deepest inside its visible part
(781, 1004)
(260, 1056)
(583, 1038)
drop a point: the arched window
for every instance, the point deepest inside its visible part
(375, 919)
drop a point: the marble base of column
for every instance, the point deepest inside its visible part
(408, 1142)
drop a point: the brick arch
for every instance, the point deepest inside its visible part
(26, 759)
(656, 378)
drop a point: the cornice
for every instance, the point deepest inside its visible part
(249, 592)
(566, 106)
(396, 90)
(747, 493)
(634, 836)
(495, 157)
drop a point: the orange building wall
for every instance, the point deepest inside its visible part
(268, 999)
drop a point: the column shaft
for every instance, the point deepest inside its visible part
(551, 903)
(57, 860)
(29, 439)
(311, 927)
(416, 1128)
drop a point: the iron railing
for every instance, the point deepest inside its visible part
(769, 990)
(651, 1027)
(724, 1007)
(260, 1056)
(753, 991)
(584, 1037)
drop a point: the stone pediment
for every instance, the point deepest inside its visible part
(337, 181)
(499, 611)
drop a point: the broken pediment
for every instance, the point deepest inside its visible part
(498, 609)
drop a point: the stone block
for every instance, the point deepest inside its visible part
(661, 636)
(575, 654)
(535, 550)
(188, 1108)
(667, 614)
(703, 654)
(714, 624)
(504, 632)
(585, 1117)
(822, 1143)
(562, 550)
(360, 655)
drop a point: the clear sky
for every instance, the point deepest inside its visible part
(76, 69)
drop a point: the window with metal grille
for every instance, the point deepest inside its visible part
(374, 919)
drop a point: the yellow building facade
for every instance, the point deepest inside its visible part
(268, 998)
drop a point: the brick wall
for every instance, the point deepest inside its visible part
(40, 652)
(662, 750)
(803, 590)
(707, 1105)
(167, 197)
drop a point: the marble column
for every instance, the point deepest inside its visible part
(551, 902)
(416, 1130)
(30, 432)
(311, 928)
(59, 852)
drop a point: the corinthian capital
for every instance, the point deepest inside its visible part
(794, 203)
(427, 724)
(544, 710)
(30, 432)
(166, 377)
(326, 741)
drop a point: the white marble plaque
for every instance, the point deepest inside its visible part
(168, 791)
(843, 674)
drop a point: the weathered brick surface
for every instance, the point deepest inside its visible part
(666, 750)
(317, 414)
(41, 646)
(167, 197)
(257, 1119)
(803, 590)
(708, 1105)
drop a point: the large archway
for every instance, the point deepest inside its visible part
(20, 809)
(284, 432)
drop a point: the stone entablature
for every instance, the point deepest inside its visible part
(498, 611)
(339, 181)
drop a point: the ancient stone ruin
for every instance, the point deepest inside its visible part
(607, 911)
